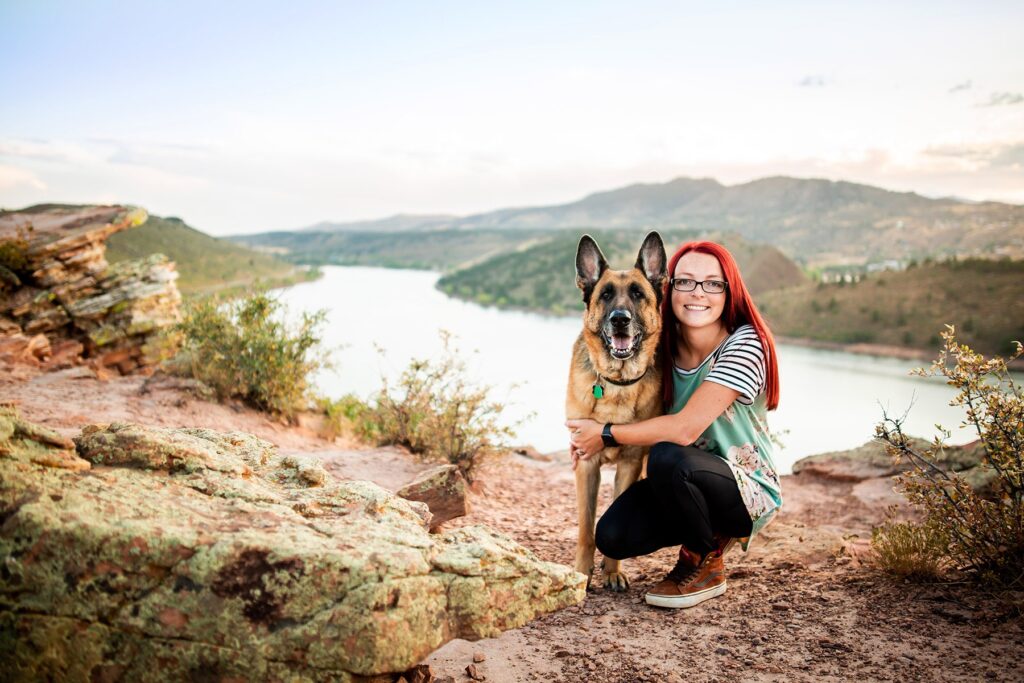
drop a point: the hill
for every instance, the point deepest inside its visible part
(204, 263)
(429, 250)
(982, 298)
(814, 221)
(397, 223)
(541, 276)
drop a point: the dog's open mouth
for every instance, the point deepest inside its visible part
(622, 346)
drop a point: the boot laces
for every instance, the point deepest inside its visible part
(683, 571)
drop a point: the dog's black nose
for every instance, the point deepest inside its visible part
(620, 318)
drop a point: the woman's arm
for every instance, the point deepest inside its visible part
(708, 402)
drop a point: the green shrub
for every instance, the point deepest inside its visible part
(984, 534)
(14, 257)
(856, 336)
(348, 416)
(243, 349)
(436, 412)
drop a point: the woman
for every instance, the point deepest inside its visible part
(710, 475)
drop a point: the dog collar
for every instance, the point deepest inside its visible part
(598, 388)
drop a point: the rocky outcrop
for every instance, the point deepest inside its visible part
(60, 299)
(872, 460)
(192, 553)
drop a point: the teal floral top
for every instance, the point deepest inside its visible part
(740, 434)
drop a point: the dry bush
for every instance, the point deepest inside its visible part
(984, 535)
(912, 551)
(435, 411)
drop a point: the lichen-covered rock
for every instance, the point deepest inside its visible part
(187, 551)
(63, 288)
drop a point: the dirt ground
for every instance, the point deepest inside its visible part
(804, 604)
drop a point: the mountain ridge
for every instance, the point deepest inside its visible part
(405, 221)
(816, 220)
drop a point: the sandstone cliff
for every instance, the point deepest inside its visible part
(59, 299)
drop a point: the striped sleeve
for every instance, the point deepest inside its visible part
(740, 364)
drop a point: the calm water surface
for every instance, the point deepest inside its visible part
(830, 400)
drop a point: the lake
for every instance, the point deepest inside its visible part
(830, 400)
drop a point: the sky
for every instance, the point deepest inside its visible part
(242, 117)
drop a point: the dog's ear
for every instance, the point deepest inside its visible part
(652, 262)
(590, 264)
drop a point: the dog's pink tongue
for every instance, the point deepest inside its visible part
(621, 343)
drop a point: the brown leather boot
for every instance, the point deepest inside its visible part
(724, 543)
(691, 586)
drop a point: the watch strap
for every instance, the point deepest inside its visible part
(606, 436)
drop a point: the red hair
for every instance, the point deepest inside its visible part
(739, 310)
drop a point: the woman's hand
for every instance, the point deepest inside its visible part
(585, 441)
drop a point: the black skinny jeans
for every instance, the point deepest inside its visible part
(688, 497)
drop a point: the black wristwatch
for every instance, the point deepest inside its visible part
(606, 436)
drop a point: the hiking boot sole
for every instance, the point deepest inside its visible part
(683, 601)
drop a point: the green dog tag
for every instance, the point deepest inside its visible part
(598, 391)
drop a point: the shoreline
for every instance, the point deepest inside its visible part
(879, 350)
(859, 348)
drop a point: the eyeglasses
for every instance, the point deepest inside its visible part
(685, 284)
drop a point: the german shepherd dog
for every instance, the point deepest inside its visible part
(615, 376)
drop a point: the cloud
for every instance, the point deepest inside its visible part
(1010, 156)
(812, 81)
(1002, 155)
(998, 99)
(34, 149)
(99, 151)
(966, 85)
(13, 178)
(970, 153)
(53, 153)
(155, 155)
(168, 146)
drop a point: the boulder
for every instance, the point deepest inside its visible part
(533, 454)
(443, 489)
(872, 460)
(19, 348)
(61, 289)
(191, 553)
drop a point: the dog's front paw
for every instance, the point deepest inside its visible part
(616, 581)
(587, 571)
